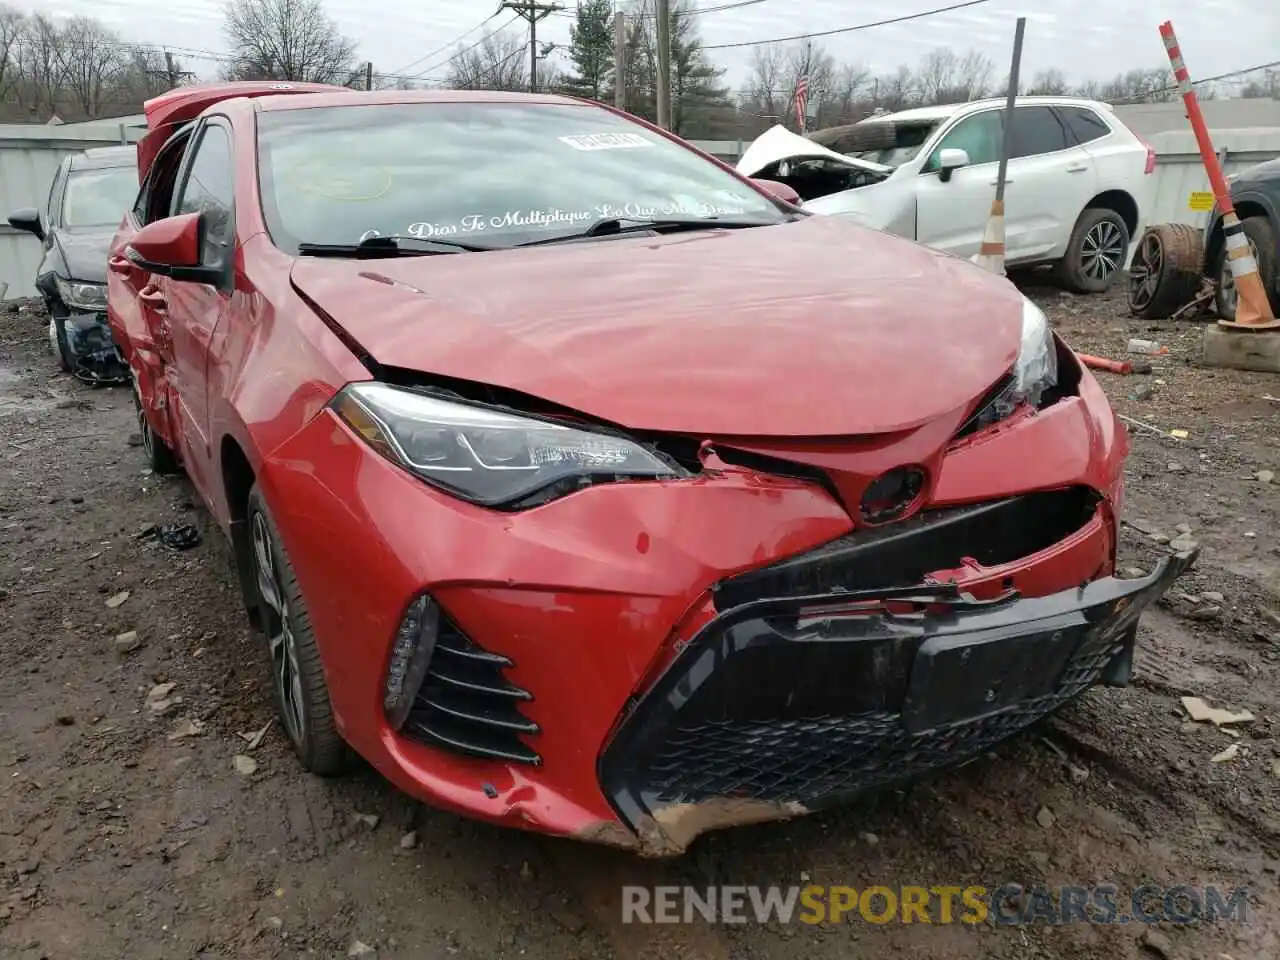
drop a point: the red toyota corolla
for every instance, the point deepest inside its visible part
(580, 484)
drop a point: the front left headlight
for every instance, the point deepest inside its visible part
(1034, 373)
(486, 455)
(82, 296)
(1037, 368)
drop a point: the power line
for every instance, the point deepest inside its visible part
(446, 46)
(688, 12)
(1172, 87)
(487, 36)
(859, 26)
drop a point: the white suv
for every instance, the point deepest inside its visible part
(1074, 194)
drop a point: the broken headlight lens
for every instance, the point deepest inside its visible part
(483, 454)
(1034, 373)
(82, 296)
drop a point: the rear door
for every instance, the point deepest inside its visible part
(1050, 180)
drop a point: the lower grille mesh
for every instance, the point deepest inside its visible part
(810, 760)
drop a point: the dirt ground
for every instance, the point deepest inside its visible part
(120, 837)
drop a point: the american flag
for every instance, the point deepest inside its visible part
(802, 101)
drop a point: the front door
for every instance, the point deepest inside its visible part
(195, 309)
(951, 216)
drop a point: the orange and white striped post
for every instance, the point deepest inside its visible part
(1253, 308)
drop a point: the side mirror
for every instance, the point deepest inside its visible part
(780, 190)
(950, 160)
(28, 219)
(171, 248)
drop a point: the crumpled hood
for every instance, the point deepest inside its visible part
(85, 252)
(812, 328)
(779, 143)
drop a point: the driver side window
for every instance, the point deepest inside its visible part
(979, 136)
(207, 189)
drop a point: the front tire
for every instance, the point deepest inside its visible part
(297, 674)
(58, 340)
(1095, 253)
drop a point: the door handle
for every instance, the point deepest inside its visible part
(154, 299)
(1078, 168)
(119, 264)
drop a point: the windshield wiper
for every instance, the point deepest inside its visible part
(611, 226)
(372, 248)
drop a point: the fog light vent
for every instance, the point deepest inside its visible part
(415, 643)
(891, 495)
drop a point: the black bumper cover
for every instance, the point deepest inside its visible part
(778, 707)
(92, 351)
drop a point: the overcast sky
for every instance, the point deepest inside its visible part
(1084, 38)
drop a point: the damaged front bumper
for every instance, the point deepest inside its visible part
(90, 349)
(781, 706)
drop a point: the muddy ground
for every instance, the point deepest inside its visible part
(119, 839)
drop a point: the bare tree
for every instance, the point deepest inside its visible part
(93, 60)
(13, 26)
(286, 40)
(496, 63)
(973, 76)
(895, 91)
(1051, 83)
(936, 76)
(843, 102)
(764, 82)
(40, 62)
(944, 77)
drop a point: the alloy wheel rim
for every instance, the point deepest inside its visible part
(144, 428)
(1144, 277)
(278, 625)
(1103, 250)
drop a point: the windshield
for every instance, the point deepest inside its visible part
(902, 141)
(491, 173)
(98, 198)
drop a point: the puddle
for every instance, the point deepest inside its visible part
(16, 397)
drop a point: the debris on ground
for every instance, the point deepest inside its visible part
(245, 766)
(358, 949)
(186, 728)
(117, 599)
(179, 536)
(126, 642)
(1200, 711)
(1227, 755)
(1045, 817)
(370, 820)
(254, 739)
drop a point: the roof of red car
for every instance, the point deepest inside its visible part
(345, 97)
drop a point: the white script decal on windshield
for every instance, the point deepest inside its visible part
(555, 217)
(607, 141)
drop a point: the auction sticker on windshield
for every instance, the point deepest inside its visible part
(607, 141)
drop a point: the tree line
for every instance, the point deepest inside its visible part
(77, 69)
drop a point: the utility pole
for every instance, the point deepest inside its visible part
(173, 69)
(664, 63)
(620, 60)
(532, 11)
(368, 75)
